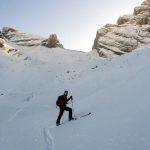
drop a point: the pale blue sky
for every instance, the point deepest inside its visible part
(74, 21)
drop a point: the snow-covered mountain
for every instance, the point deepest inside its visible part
(130, 32)
(26, 39)
(116, 91)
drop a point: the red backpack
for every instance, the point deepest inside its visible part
(60, 101)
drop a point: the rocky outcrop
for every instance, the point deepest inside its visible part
(130, 32)
(2, 41)
(26, 39)
(19, 38)
(1, 35)
(9, 50)
(5, 47)
(52, 42)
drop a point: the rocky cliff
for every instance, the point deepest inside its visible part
(52, 42)
(6, 48)
(130, 32)
(26, 39)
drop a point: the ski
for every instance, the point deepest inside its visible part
(83, 115)
(79, 116)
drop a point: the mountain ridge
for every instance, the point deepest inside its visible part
(26, 39)
(130, 32)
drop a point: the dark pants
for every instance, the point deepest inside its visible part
(62, 109)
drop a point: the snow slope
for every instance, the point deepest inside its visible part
(116, 92)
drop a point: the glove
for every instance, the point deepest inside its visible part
(71, 97)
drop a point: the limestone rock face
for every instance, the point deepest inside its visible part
(1, 35)
(4, 47)
(20, 38)
(146, 2)
(26, 39)
(52, 42)
(130, 32)
(125, 19)
(6, 30)
(2, 41)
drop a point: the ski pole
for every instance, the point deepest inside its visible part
(72, 108)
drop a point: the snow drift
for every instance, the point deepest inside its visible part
(116, 91)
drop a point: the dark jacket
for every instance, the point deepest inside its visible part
(62, 100)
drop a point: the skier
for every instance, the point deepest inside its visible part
(61, 103)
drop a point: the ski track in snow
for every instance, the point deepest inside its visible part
(28, 96)
(15, 115)
(48, 139)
